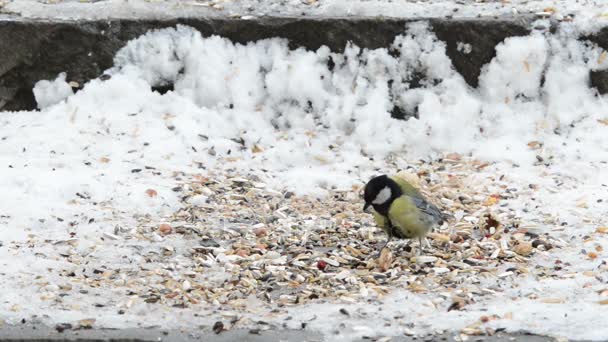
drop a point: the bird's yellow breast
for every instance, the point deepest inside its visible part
(405, 218)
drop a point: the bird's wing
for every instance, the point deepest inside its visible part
(422, 204)
(432, 214)
(406, 187)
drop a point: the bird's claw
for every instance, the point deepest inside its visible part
(379, 253)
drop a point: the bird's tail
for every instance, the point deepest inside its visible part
(446, 217)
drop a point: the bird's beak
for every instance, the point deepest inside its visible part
(366, 208)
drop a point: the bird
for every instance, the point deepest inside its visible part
(399, 209)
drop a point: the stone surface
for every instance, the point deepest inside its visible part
(599, 78)
(31, 50)
(482, 35)
(41, 333)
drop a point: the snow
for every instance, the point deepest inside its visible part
(48, 93)
(262, 106)
(588, 14)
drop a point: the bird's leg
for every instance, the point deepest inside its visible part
(388, 239)
(420, 247)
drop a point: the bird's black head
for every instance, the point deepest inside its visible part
(379, 193)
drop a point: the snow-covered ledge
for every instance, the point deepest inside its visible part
(35, 49)
(39, 41)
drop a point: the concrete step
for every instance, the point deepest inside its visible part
(34, 49)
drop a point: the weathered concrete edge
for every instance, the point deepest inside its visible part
(31, 50)
(42, 333)
(40, 49)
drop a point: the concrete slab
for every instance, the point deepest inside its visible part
(35, 49)
(28, 332)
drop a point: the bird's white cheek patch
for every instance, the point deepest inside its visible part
(383, 196)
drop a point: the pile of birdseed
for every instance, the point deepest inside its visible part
(239, 254)
(235, 238)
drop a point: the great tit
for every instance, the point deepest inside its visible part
(400, 209)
